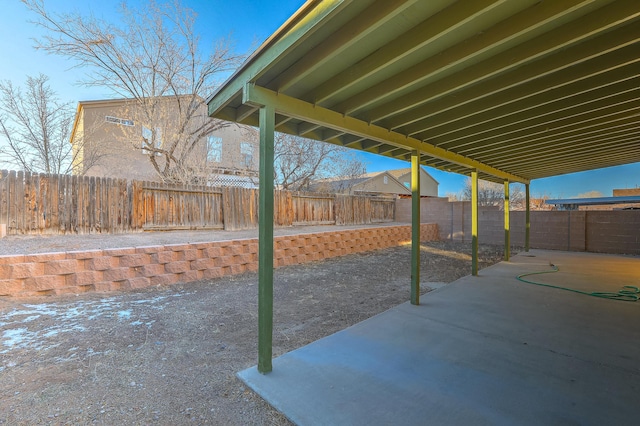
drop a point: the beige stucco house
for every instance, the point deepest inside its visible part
(390, 182)
(108, 138)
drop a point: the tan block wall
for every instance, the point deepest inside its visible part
(626, 192)
(134, 268)
(613, 233)
(435, 210)
(616, 231)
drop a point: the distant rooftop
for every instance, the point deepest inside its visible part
(569, 202)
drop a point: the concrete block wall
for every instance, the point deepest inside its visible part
(448, 216)
(619, 233)
(612, 231)
(140, 267)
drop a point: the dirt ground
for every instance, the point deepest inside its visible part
(169, 356)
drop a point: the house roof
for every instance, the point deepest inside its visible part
(516, 90)
(398, 173)
(595, 201)
(337, 183)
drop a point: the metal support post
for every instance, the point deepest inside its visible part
(507, 235)
(474, 223)
(527, 218)
(265, 241)
(415, 228)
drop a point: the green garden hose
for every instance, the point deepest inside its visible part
(628, 293)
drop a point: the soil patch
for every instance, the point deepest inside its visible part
(169, 355)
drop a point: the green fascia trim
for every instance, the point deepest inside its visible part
(266, 56)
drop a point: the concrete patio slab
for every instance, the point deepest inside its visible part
(482, 350)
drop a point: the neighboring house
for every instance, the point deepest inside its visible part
(623, 199)
(110, 140)
(390, 182)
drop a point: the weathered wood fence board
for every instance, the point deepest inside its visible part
(158, 206)
(33, 203)
(313, 209)
(62, 204)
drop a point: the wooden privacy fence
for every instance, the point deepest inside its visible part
(158, 206)
(61, 204)
(33, 203)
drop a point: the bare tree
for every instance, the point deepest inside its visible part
(153, 60)
(349, 169)
(492, 194)
(452, 196)
(299, 161)
(35, 127)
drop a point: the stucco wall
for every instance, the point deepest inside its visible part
(118, 147)
(428, 185)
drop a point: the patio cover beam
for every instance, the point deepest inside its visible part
(541, 48)
(369, 21)
(305, 111)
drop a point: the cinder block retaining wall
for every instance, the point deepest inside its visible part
(135, 268)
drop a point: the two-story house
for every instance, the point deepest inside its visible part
(109, 139)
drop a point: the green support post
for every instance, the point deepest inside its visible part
(265, 241)
(507, 235)
(527, 218)
(415, 228)
(474, 223)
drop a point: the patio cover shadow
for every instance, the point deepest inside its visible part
(482, 350)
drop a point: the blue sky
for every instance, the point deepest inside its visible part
(247, 23)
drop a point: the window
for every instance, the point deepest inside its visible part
(246, 154)
(385, 179)
(149, 138)
(116, 120)
(214, 149)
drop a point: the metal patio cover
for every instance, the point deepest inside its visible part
(516, 89)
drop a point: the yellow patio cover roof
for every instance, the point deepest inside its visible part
(515, 89)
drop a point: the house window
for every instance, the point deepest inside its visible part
(149, 138)
(116, 120)
(246, 153)
(385, 179)
(214, 149)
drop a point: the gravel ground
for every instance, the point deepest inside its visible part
(22, 244)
